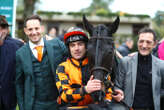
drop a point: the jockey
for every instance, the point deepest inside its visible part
(72, 76)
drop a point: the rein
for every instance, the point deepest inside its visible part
(97, 66)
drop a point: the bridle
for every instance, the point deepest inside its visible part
(97, 67)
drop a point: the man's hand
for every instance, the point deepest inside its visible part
(93, 85)
(3, 34)
(119, 95)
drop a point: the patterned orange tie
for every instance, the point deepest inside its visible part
(40, 54)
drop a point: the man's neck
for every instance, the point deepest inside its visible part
(37, 43)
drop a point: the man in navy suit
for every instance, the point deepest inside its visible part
(8, 47)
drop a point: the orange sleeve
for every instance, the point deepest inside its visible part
(66, 92)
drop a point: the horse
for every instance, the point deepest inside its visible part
(100, 50)
(101, 55)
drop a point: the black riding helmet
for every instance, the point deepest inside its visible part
(75, 34)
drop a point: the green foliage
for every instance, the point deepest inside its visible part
(159, 29)
(49, 14)
(137, 15)
(158, 24)
(78, 13)
(102, 12)
(98, 5)
(20, 7)
(112, 14)
(133, 15)
(159, 18)
(135, 39)
(19, 12)
(20, 34)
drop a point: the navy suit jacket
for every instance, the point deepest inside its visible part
(8, 71)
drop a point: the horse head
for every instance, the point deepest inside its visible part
(100, 48)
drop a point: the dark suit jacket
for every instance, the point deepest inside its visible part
(7, 72)
(25, 88)
(126, 79)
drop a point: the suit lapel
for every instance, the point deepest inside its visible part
(50, 54)
(154, 73)
(28, 60)
(134, 71)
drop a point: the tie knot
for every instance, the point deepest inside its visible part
(38, 48)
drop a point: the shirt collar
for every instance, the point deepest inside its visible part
(77, 62)
(32, 45)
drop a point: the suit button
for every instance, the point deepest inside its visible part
(0, 86)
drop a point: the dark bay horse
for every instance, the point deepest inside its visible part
(101, 55)
(100, 52)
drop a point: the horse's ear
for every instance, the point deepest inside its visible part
(115, 25)
(87, 25)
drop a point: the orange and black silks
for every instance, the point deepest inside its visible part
(70, 83)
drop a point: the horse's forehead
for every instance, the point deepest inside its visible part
(101, 27)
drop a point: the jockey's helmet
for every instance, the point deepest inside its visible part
(75, 34)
